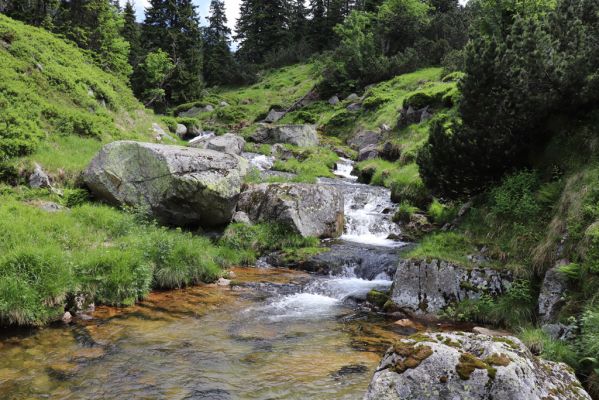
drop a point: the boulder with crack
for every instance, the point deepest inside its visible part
(177, 185)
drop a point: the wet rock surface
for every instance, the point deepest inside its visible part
(552, 293)
(177, 185)
(449, 366)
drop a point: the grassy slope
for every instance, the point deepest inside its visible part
(58, 108)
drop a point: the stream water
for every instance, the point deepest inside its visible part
(275, 334)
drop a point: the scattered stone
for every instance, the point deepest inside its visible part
(67, 317)
(228, 143)
(194, 111)
(391, 151)
(553, 290)
(202, 137)
(426, 287)
(223, 104)
(352, 97)
(232, 275)
(176, 185)
(181, 130)
(334, 100)
(241, 218)
(490, 332)
(223, 282)
(274, 115)
(308, 209)
(368, 153)
(385, 128)
(458, 365)
(559, 331)
(160, 134)
(281, 152)
(408, 323)
(48, 206)
(39, 179)
(425, 116)
(353, 107)
(84, 317)
(298, 135)
(363, 139)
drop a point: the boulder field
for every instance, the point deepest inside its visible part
(460, 366)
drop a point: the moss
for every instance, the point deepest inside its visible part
(377, 298)
(499, 360)
(469, 363)
(451, 343)
(507, 341)
(411, 355)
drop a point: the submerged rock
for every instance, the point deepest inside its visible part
(457, 365)
(308, 209)
(298, 135)
(427, 287)
(177, 185)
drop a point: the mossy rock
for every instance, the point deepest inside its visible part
(377, 298)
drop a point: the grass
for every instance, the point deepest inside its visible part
(57, 106)
(308, 163)
(449, 246)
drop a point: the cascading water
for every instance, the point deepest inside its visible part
(368, 210)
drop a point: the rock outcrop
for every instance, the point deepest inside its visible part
(227, 143)
(39, 179)
(552, 293)
(177, 185)
(364, 139)
(460, 366)
(298, 135)
(425, 287)
(308, 209)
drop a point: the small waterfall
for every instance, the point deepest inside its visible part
(259, 161)
(344, 168)
(368, 210)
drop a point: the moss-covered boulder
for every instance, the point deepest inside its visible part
(308, 209)
(177, 185)
(457, 365)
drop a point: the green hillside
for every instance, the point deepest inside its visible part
(57, 106)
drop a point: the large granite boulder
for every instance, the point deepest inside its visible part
(298, 135)
(178, 185)
(227, 143)
(308, 209)
(426, 287)
(467, 366)
(364, 139)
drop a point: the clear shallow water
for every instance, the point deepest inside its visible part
(280, 335)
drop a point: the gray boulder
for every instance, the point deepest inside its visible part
(426, 287)
(352, 97)
(363, 139)
(308, 209)
(194, 111)
(368, 153)
(552, 293)
(227, 143)
(181, 130)
(161, 134)
(177, 185)
(298, 135)
(39, 179)
(334, 100)
(460, 366)
(354, 107)
(274, 116)
(241, 217)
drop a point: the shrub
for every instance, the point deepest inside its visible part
(515, 198)
(432, 97)
(404, 212)
(232, 114)
(440, 213)
(555, 350)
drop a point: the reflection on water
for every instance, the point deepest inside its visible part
(276, 334)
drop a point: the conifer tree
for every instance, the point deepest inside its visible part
(219, 66)
(34, 12)
(173, 26)
(132, 34)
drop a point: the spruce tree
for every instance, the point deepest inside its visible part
(34, 12)
(262, 28)
(219, 66)
(173, 26)
(132, 34)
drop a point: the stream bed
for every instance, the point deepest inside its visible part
(273, 334)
